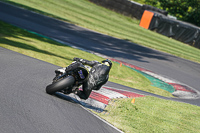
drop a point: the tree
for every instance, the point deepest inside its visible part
(186, 10)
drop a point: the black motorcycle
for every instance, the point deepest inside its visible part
(68, 82)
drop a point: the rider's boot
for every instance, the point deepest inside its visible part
(70, 90)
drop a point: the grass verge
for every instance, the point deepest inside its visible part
(152, 115)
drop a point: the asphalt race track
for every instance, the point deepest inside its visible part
(25, 107)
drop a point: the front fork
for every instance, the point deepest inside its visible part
(59, 76)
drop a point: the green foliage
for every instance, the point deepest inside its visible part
(186, 10)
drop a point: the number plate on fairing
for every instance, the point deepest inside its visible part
(81, 74)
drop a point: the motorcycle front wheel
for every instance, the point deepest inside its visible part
(60, 85)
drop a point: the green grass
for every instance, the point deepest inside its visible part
(150, 114)
(89, 15)
(139, 1)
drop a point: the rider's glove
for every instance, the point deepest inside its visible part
(76, 59)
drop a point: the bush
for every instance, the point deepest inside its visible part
(185, 10)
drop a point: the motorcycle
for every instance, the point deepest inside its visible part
(68, 82)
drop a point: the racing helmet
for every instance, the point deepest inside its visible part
(107, 62)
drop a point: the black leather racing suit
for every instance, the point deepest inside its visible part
(98, 76)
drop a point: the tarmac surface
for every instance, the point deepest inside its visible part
(26, 107)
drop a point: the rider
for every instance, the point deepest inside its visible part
(98, 75)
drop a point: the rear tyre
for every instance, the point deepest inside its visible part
(58, 86)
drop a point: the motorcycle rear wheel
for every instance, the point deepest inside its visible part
(60, 85)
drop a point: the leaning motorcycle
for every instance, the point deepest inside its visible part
(68, 82)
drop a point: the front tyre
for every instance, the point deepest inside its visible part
(58, 86)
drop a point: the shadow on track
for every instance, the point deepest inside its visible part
(73, 99)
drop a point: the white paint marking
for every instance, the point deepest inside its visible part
(109, 93)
